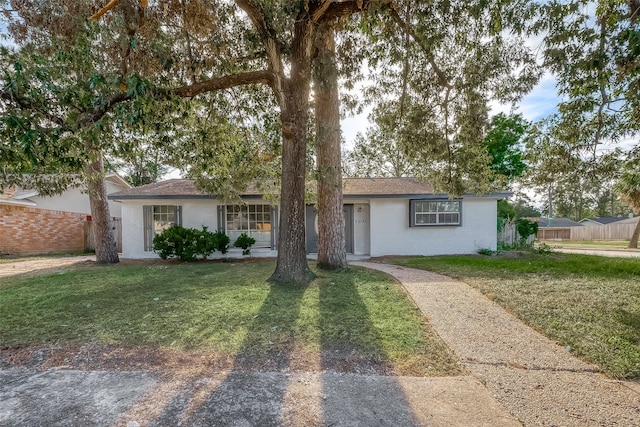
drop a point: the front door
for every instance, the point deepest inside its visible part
(311, 224)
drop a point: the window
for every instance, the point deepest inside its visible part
(434, 212)
(158, 218)
(254, 220)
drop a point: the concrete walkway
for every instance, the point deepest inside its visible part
(536, 380)
(630, 253)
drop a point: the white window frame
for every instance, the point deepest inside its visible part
(435, 213)
(247, 217)
(152, 213)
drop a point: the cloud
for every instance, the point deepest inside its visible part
(537, 104)
(542, 100)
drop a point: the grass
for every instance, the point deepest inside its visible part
(590, 303)
(225, 308)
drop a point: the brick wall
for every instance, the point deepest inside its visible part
(30, 231)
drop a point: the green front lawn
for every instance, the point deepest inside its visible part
(590, 303)
(225, 308)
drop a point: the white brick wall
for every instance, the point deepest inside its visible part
(391, 234)
(387, 220)
(195, 214)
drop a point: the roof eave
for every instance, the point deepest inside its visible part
(15, 202)
(497, 195)
(116, 178)
(117, 197)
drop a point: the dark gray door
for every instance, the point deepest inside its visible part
(348, 227)
(311, 224)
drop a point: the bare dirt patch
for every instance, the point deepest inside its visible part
(97, 357)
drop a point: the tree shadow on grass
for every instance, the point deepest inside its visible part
(256, 391)
(357, 398)
(252, 393)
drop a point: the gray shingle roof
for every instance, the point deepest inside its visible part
(557, 223)
(605, 219)
(353, 187)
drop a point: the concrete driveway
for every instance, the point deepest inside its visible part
(41, 265)
(631, 253)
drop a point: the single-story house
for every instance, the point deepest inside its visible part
(602, 220)
(383, 216)
(555, 228)
(628, 220)
(31, 223)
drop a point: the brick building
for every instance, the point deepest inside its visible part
(31, 224)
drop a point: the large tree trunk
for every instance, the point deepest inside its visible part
(292, 265)
(331, 234)
(106, 250)
(633, 243)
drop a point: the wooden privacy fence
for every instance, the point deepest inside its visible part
(603, 232)
(89, 238)
(555, 233)
(509, 235)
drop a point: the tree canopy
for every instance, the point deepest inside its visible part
(431, 84)
(576, 153)
(222, 88)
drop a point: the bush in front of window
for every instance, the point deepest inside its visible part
(221, 242)
(245, 242)
(187, 244)
(206, 242)
(177, 241)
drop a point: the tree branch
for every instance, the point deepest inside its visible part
(256, 14)
(318, 13)
(188, 91)
(104, 10)
(110, 6)
(344, 8)
(98, 113)
(442, 78)
(225, 82)
(25, 104)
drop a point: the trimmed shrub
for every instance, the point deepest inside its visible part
(177, 241)
(221, 242)
(188, 244)
(245, 242)
(206, 242)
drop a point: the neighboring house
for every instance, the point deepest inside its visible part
(618, 230)
(383, 216)
(74, 199)
(603, 220)
(628, 220)
(555, 228)
(33, 224)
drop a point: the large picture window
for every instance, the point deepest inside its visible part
(434, 212)
(158, 218)
(254, 220)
